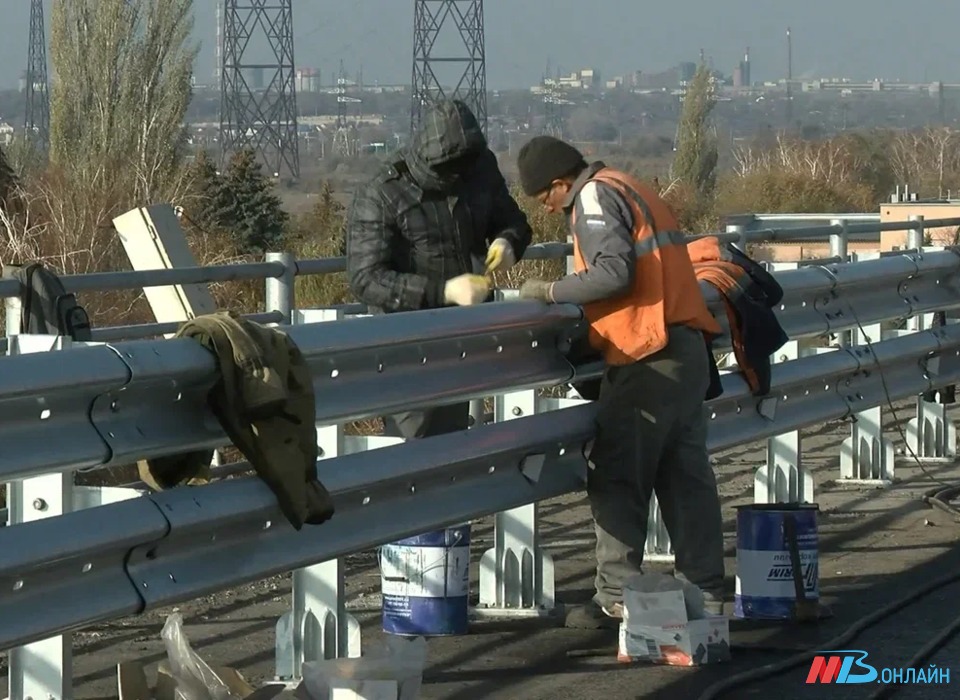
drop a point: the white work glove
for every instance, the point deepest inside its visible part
(466, 290)
(500, 256)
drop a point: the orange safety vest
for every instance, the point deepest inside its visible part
(665, 288)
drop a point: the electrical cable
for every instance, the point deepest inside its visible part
(938, 498)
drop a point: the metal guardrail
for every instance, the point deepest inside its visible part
(176, 546)
(132, 397)
(141, 399)
(837, 232)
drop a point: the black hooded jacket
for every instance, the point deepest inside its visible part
(429, 215)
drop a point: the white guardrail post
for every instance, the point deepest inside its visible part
(931, 435)
(839, 248)
(318, 626)
(782, 479)
(868, 456)
(42, 670)
(516, 574)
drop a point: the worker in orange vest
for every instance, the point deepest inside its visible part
(647, 317)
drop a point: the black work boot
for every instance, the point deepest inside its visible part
(594, 617)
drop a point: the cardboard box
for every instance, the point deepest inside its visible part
(655, 629)
(354, 689)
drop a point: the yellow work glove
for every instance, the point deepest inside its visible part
(500, 256)
(466, 290)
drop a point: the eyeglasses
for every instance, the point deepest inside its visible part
(544, 196)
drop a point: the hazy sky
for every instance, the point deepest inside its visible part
(851, 38)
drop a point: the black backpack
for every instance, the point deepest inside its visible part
(46, 306)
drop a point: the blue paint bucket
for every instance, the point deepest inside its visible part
(765, 583)
(425, 581)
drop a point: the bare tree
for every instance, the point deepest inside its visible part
(117, 113)
(927, 159)
(828, 160)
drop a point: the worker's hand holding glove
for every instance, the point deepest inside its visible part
(466, 290)
(537, 289)
(500, 256)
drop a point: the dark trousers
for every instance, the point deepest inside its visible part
(431, 421)
(651, 437)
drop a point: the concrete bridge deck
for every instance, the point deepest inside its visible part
(876, 545)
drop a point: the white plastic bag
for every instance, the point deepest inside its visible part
(399, 660)
(195, 679)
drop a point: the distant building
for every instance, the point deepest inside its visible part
(590, 78)
(308, 80)
(686, 71)
(6, 134)
(744, 68)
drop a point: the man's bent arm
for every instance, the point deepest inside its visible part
(507, 220)
(603, 226)
(370, 233)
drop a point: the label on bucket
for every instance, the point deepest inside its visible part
(424, 572)
(770, 574)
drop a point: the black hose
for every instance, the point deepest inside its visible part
(928, 650)
(717, 689)
(940, 498)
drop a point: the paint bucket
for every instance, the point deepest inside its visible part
(425, 581)
(766, 588)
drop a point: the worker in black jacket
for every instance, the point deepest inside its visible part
(422, 233)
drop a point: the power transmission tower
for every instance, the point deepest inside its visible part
(553, 117)
(342, 142)
(258, 97)
(469, 81)
(36, 123)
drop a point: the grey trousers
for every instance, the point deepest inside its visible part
(651, 437)
(431, 421)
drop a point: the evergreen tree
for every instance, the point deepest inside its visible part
(248, 206)
(322, 225)
(208, 192)
(695, 162)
